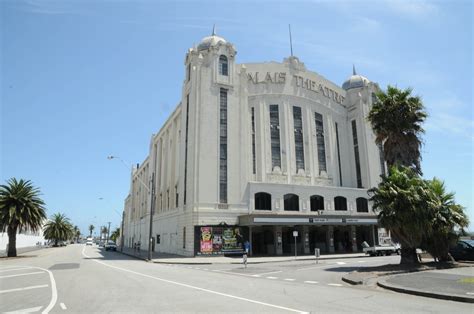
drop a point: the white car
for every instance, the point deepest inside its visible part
(110, 246)
(89, 242)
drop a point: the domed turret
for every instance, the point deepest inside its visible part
(355, 81)
(210, 41)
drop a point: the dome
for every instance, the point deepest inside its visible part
(210, 41)
(355, 81)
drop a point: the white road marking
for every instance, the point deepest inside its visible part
(29, 310)
(25, 274)
(239, 274)
(197, 268)
(24, 288)
(335, 284)
(307, 268)
(13, 269)
(54, 292)
(63, 306)
(256, 276)
(341, 263)
(272, 277)
(196, 288)
(360, 261)
(205, 269)
(309, 281)
(271, 272)
(471, 293)
(289, 279)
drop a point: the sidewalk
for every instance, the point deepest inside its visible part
(455, 284)
(165, 258)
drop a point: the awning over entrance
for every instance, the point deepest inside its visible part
(285, 220)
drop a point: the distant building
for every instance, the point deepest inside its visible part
(255, 152)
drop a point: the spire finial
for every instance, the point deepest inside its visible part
(353, 69)
(291, 43)
(214, 30)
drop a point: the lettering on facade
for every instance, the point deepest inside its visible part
(299, 81)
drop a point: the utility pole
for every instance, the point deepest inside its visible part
(152, 211)
(108, 232)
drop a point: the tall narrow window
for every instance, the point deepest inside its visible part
(176, 196)
(223, 65)
(254, 165)
(188, 72)
(184, 237)
(275, 136)
(338, 156)
(223, 147)
(382, 159)
(318, 119)
(186, 148)
(299, 147)
(356, 154)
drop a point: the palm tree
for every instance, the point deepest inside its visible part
(76, 233)
(91, 228)
(103, 232)
(446, 216)
(115, 234)
(21, 209)
(396, 119)
(402, 199)
(58, 228)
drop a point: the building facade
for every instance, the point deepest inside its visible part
(254, 152)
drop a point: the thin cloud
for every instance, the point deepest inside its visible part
(411, 8)
(51, 7)
(455, 125)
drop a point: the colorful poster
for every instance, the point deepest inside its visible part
(217, 239)
(206, 240)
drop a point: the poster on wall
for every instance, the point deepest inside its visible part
(206, 240)
(216, 240)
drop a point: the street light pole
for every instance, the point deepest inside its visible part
(108, 232)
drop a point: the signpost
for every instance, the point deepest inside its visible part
(295, 235)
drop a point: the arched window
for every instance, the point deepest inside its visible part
(340, 203)
(291, 202)
(263, 201)
(223, 65)
(362, 205)
(317, 202)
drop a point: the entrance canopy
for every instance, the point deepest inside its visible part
(312, 220)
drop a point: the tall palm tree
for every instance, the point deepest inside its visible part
(446, 216)
(402, 200)
(76, 233)
(115, 234)
(21, 208)
(91, 228)
(58, 228)
(396, 119)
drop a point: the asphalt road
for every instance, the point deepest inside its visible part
(77, 278)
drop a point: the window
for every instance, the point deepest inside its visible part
(317, 202)
(186, 148)
(381, 159)
(263, 201)
(340, 203)
(299, 147)
(184, 237)
(254, 166)
(362, 205)
(275, 136)
(318, 119)
(223, 65)
(356, 154)
(291, 202)
(338, 156)
(176, 196)
(223, 147)
(188, 72)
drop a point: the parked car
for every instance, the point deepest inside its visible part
(464, 250)
(89, 242)
(110, 246)
(101, 244)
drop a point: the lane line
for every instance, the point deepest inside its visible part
(313, 267)
(13, 269)
(341, 263)
(309, 281)
(272, 277)
(63, 306)
(29, 310)
(25, 274)
(12, 266)
(289, 279)
(24, 288)
(197, 288)
(228, 272)
(270, 272)
(335, 284)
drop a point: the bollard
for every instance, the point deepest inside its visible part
(316, 254)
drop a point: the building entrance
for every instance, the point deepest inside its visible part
(318, 239)
(263, 242)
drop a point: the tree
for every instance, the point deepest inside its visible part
(446, 217)
(76, 233)
(396, 119)
(58, 228)
(115, 234)
(103, 232)
(91, 228)
(403, 200)
(21, 209)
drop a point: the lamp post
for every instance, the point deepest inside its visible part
(152, 205)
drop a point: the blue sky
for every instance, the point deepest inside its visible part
(81, 80)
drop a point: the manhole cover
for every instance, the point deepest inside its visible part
(64, 266)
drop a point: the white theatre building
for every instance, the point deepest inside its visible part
(255, 152)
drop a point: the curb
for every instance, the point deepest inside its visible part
(383, 283)
(352, 281)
